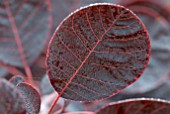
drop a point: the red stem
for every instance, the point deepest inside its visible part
(12, 70)
(50, 24)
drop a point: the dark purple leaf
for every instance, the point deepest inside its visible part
(96, 52)
(156, 17)
(23, 30)
(31, 97)
(137, 106)
(11, 101)
(16, 79)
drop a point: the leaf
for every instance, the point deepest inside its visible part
(11, 101)
(137, 106)
(31, 97)
(157, 20)
(162, 92)
(61, 8)
(23, 30)
(16, 80)
(158, 10)
(39, 69)
(96, 52)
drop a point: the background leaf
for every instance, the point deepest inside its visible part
(16, 79)
(61, 8)
(31, 97)
(23, 30)
(156, 17)
(11, 101)
(137, 106)
(96, 52)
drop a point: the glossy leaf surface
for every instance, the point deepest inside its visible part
(137, 106)
(31, 97)
(23, 30)
(11, 101)
(96, 52)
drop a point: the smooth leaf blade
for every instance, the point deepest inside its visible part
(137, 106)
(23, 30)
(30, 96)
(11, 101)
(96, 52)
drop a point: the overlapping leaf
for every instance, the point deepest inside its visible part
(96, 52)
(16, 80)
(137, 106)
(11, 101)
(23, 30)
(31, 97)
(156, 17)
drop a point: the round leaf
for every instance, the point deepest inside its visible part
(31, 97)
(96, 52)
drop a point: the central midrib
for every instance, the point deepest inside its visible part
(89, 55)
(18, 42)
